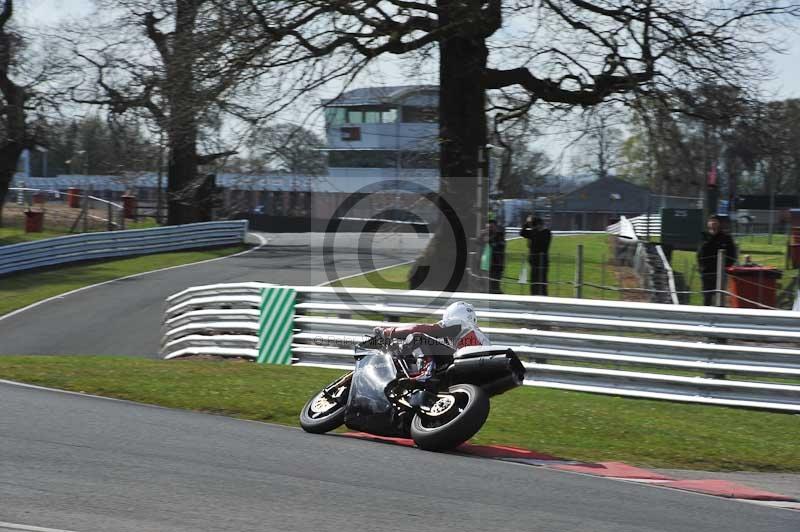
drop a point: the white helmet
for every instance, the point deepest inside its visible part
(460, 313)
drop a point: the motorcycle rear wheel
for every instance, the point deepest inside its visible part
(322, 413)
(455, 417)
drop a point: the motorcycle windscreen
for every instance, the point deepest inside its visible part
(368, 409)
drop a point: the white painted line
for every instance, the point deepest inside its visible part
(781, 505)
(14, 526)
(365, 273)
(642, 480)
(386, 268)
(261, 239)
(656, 485)
(82, 394)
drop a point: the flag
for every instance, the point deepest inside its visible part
(712, 176)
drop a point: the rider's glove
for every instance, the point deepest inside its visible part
(382, 332)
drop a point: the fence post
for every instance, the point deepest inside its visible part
(718, 300)
(110, 217)
(579, 272)
(122, 218)
(85, 211)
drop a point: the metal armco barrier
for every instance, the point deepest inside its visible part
(92, 246)
(674, 352)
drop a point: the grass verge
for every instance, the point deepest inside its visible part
(597, 269)
(15, 235)
(571, 425)
(389, 278)
(561, 271)
(560, 275)
(22, 289)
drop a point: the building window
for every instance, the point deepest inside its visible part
(427, 115)
(382, 159)
(362, 159)
(389, 116)
(350, 133)
(337, 116)
(418, 159)
(355, 116)
(372, 117)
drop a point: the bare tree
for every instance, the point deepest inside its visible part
(600, 149)
(98, 145)
(289, 148)
(202, 64)
(561, 52)
(679, 137)
(22, 105)
(521, 165)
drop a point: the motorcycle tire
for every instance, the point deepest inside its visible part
(453, 421)
(321, 415)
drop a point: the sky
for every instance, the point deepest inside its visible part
(786, 83)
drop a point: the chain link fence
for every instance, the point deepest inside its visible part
(73, 211)
(603, 274)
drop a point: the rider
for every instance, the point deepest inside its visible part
(458, 328)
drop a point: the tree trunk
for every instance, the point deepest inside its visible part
(184, 201)
(12, 106)
(183, 183)
(462, 122)
(9, 156)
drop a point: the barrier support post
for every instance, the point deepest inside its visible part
(718, 301)
(579, 272)
(85, 211)
(603, 278)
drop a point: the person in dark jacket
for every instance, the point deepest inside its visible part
(715, 239)
(495, 236)
(538, 253)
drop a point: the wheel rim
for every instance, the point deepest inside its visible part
(442, 405)
(324, 404)
(446, 408)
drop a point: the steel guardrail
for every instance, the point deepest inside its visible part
(674, 352)
(102, 245)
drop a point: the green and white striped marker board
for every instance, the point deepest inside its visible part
(275, 327)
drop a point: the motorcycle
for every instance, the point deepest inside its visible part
(379, 396)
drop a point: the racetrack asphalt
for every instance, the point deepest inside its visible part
(124, 317)
(86, 464)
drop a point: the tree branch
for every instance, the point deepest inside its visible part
(550, 91)
(211, 157)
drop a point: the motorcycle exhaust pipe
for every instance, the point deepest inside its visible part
(482, 366)
(496, 374)
(502, 385)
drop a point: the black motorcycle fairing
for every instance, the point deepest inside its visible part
(368, 408)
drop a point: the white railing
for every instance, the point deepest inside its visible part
(670, 275)
(20, 192)
(92, 246)
(25, 196)
(631, 250)
(629, 349)
(644, 225)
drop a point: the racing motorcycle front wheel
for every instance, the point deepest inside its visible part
(455, 416)
(325, 411)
